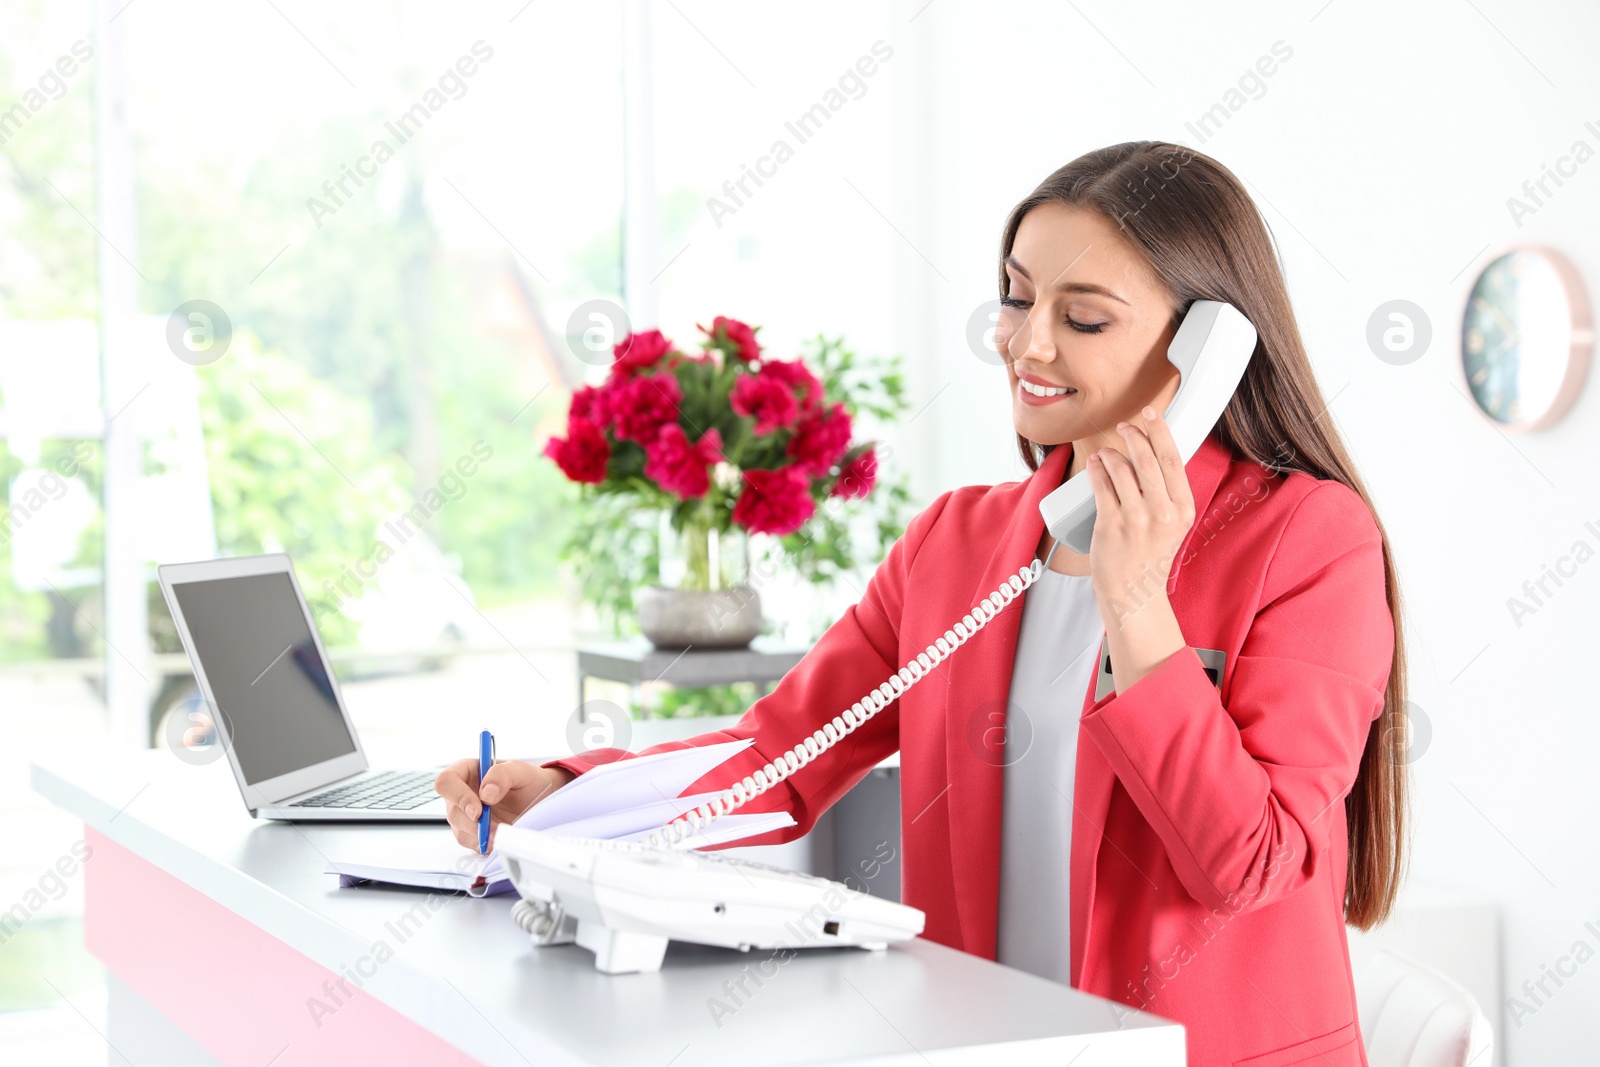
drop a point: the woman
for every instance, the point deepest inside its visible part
(1220, 831)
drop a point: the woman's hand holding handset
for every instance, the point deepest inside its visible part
(1143, 510)
(510, 788)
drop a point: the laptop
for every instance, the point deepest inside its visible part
(260, 664)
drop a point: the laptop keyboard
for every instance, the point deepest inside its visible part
(391, 790)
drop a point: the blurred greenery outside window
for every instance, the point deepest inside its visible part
(372, 360)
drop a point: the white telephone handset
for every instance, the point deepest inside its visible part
(625, 901)
(1211, 349)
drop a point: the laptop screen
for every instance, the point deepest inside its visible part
(268, 680)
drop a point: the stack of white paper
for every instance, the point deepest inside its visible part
(624, 801)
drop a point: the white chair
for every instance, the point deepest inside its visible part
(1414, 1016)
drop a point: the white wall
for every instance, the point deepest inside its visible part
(1382, 154)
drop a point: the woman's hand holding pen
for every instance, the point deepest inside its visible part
(510, 788)
(1143, 510)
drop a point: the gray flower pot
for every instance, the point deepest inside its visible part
(680, 618)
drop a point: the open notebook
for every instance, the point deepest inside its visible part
(624, 801)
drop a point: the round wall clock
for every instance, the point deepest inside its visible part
(1525, 338)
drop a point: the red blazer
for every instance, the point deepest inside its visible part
(1209, 838)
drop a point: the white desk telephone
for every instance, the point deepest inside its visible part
(625, 901)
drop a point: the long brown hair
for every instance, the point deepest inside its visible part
(1204, 237)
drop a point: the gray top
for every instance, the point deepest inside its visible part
(1056, 657)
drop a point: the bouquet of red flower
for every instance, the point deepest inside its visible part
(726, 436)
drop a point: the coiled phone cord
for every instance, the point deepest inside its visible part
(690, 823)
(541, 920)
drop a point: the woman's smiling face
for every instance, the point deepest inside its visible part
(1083, 313)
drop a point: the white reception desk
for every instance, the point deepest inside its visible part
(226, 943)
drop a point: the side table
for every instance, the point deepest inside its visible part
(637, 662)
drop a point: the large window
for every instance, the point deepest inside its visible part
(355, 236)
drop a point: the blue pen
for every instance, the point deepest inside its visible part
(485, 761)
